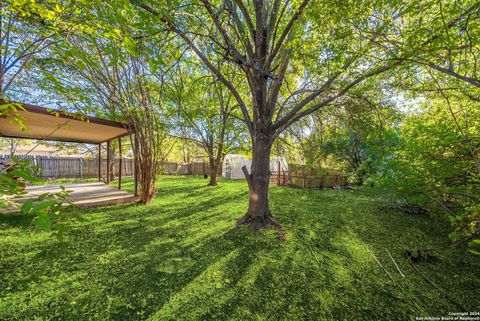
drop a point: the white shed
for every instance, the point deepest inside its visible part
(232, 166)
(233, 163)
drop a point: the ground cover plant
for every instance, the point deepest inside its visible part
(179, 259)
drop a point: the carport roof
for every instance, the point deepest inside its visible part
(58, 125)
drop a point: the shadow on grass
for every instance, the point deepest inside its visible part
(125, 251)
(16, 220)
(176, 259)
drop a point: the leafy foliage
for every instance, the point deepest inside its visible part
(13, 177)
(48, 209)
(435, 164)
(51, 212)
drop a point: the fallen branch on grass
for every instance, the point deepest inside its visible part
(396, 265)
(426, 278)
(380, 264)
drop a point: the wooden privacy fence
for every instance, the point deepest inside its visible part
(73, 167)
(193, 168)
(307, 180)
(78, 167)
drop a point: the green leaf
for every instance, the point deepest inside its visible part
(42, 206)
(43, 222)
(474, 242)
(27, 206)
(474, 252)
(130, 46)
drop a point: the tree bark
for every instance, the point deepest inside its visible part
(258, 214)
(213, 172)
(13, 145)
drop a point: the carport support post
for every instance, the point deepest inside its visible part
(99, 162)
(120, 163)
(108, 162)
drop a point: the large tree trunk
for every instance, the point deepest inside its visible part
(258, 214)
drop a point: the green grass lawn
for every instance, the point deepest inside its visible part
(177, 259)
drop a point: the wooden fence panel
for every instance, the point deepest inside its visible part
(307, 180)
(168, 168)
(77, 167)
(73, 167)
(194, 168)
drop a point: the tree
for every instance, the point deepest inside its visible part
(433, 167)
(355, 133)
(206, 113)
(11, 143)
(121, 83)
(296, 57)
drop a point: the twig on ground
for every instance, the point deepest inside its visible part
(380, 264)
(396, 265)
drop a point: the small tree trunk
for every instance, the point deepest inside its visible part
(12, 147)
(213, 172)
(258, 214)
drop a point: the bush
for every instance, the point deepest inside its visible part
(434, 166)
